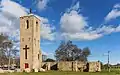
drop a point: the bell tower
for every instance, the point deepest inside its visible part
(30, 53)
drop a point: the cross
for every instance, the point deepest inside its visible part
(30, 10)
(26, 51)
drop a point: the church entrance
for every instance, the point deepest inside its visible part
(26, 65)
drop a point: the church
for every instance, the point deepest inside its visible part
(30, 53)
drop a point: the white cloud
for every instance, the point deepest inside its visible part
(81, 36)
(114, 13)
(13, 8)
(10, 12)
(118, 29)
(73, 20)
(47, 30)
(46, 43)
(74, 26)
(9, 22)
(44, 53)
(49, 55)
(117, 5)
(42, 4)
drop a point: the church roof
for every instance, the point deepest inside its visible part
(31, 15)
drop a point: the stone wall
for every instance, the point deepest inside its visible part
(49, 65)
(94, 66)
(81, 66)
(72, 66)
(65, 66)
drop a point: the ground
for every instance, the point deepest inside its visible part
(64, 73)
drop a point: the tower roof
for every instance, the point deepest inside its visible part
(31, 15)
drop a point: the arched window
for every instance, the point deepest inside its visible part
(27, 24)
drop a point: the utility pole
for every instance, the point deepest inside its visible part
(109, 61)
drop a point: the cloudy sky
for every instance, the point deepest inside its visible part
(88, 23)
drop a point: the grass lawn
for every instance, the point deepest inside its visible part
(64, 73)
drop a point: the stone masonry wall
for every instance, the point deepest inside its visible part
(72, 66)
(94, 66)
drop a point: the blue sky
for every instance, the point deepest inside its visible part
(88, 23)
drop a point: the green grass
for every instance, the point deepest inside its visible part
(64, 73)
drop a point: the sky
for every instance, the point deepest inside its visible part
(88, 23)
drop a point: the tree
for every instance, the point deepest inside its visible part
(49, 60)
(85, 53)
(8, 51)
(70, 52)
(3, 56)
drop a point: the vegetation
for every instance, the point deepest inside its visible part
(49, 60)
(7, 50)
(67, 51)
(64, 73)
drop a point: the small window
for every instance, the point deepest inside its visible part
(38, 56)
(22, 39)
(36, 23)
(35, 41)
(29, 39)
(27, 23)
(36, 26)
(38, 41)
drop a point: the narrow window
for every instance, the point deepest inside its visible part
(38, 42)
(38, 56)
(35, 41)
(36, 26)
(29, 39)
(22, 39)
(27, 22)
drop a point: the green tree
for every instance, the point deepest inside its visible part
(67, 51)
(85, 53)
(49, 60)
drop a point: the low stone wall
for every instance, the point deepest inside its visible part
(72, 66)
(49, 65)
(65, 66)
(81, 66)
(94, 66)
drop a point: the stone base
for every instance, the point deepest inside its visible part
(42, 70)
(1, 71)
(35, 70)
(27, 70)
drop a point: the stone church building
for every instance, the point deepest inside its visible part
(30, 53)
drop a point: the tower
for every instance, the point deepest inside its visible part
(30, 53)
